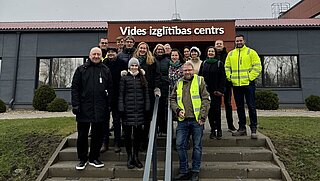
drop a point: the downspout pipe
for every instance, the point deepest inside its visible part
(15, 80)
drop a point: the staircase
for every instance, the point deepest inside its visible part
(232, 158)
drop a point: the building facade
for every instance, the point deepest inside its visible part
(38, 53)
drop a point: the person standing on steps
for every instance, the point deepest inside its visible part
(90, 94)
(190, 101)
(222, 55)
(214, 75)
(242, 67)
(133, 104)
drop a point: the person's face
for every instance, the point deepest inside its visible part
(211, 53)
(194, 54)
(142, 49)
(186, 53)
(174, 56)
(160, 50)
(111, 54)
(129, 43)
(120, 43)
(187, 71)
(134, 68)
(95, 55)
(103, 43)
(219, 45)
(239, 42)
(167, 49)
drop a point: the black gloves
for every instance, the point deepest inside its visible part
(76, 110)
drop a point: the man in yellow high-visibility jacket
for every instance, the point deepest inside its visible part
(242, 67)
(190, 101)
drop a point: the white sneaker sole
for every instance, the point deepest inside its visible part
(97, 166)
(81, 168)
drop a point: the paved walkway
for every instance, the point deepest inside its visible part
(25, 114)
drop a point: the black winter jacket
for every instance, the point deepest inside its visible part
(163, 64)
(115, 68)
(214, 76)
(133, 100)
(91, 87)
(125, 56)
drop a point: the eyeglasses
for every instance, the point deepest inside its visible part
(134, 65)
(104, 43)
(187, 70)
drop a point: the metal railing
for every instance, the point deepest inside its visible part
(168, 162)
(152, 146)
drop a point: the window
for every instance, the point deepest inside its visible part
(58, 72)
(279, 71)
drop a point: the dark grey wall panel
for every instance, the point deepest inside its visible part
(10, 45)
(65, 94)
(25, 92)
(289, 96)
(1, 44)
(8, 65)
(310, 65)
(6, 90)
(27, 68)
(273, 42)
(28, 45)
(66, 44)
(309, 41)
(311, 86)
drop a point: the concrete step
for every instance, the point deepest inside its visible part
(139, 179)
(208, 154)
(227, 141)
(232, 170)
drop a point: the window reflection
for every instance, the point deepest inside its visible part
(281, 71)
(58, 72)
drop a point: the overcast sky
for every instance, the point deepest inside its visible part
(106, 10)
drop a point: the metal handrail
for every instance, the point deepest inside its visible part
(168, 163)
(152, 151)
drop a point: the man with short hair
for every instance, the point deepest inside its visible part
(191, 102)
(90, 94)
(120, 43)
(167, 50)
(242, 67)
(222, 55)
(127, 52)
(103, 45)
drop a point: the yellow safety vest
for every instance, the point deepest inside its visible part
(242, 66)
(194, 93)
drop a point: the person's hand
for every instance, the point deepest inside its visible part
(181, 114)
(76, 110)
(157, 92)
(202, 121)
(217, 93)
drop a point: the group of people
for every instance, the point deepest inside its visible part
(125, 80)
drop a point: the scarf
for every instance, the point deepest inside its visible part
(211, 60)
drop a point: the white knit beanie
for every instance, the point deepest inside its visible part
(196, 49)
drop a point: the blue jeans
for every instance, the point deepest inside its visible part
(247, 92)
(183, 128)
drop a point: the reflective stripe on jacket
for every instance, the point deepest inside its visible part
(194, 93)
(242, 66)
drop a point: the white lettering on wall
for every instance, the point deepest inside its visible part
(170, 31)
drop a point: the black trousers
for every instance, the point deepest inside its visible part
(132, 138)
(227, 105)
(215, 112)
(96, 140)
(162, 114)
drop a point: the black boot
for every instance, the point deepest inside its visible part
(130, 162)
(136, 160)
(219, 134)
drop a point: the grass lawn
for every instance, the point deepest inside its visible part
(26, 145)
(297, 140)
